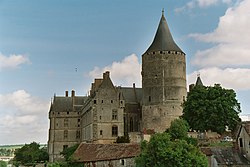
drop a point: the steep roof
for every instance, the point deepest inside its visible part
(131, 95)
(163, 40)
(198, 81)
(61, 103)
(88, 152)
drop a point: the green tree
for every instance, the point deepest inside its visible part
(123, 139)
(3, 164)
(30, 154)
(68, 152)
(211, 108)
(178, 129)
(161, 151)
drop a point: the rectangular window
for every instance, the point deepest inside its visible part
(65, 147)
(66, 122)
(65, 135)
(94, 101)
(78, 134)
(114, 114)
(241, 142)
(114, 131)
(100, 132)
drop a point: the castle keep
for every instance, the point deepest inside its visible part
(110, 111)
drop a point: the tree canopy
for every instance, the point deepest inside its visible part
(211, 108)
(162, 151)
(172, 148)
(178, 129)
(31, 154)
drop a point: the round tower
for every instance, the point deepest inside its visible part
(163, 80)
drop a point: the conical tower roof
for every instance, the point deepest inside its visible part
(163, 40)
(198, 81)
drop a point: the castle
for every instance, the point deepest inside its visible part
(110, 111)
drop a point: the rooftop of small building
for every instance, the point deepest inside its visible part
(89, 152)
(226, 155)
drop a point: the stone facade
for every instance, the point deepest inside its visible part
(110, 111)
(163, 80)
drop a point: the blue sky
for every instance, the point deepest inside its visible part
(43, 42)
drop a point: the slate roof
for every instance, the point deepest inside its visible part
(198, 81)
(131, 95)
(88, 152)
(226, 156)
(61, 103)
(163, 40)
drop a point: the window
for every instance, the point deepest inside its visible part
(94, 101)
(241, 142)
(123, 162)
(68, 113)
(65, 147)
(100, 117)
(131, 124)
(78, 120)
(111, 101)
(78, 134)
(66, 122)
(100, 132)
(114, 114)
(102, 101)
(65, 135)
(149, 98)
(114, 131)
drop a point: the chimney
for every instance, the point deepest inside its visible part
(66, 93)
(106, 75)
(72, 93)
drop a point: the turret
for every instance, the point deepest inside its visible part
(163, 80)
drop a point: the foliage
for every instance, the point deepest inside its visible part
(3, 164)
(30, 154)
(68, 152)
(162, 151)
(178, 129)
(123, 139)
(211, 108)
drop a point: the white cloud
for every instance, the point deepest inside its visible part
(122, 73)
(231, 39)
(23, 103)
(201, 4)
(23, 117)
(235, 78)
(12, 61)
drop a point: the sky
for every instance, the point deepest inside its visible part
(47, 47)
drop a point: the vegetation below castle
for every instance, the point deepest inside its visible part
(171, 148)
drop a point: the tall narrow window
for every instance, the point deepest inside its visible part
(78, 134)
(131, 122)
(241, 142)
(65, 135)
(100, 132)
(66, 122)
(114, 114)
(114, 131)
(149, 98)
